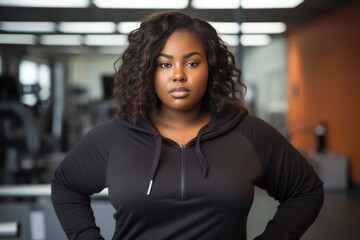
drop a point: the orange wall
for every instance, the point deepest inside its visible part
(324, 83)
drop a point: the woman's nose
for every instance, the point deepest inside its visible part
(179, 74)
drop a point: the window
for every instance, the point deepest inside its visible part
(35, 81)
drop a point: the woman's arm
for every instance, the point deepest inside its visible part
(290, 179)
(79, 175)
(74, 212)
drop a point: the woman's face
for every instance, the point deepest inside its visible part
(181, 73)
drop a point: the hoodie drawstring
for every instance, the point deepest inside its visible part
(200, 156)
(155, 162)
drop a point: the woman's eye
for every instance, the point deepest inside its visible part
(192, 64)
(165, 65)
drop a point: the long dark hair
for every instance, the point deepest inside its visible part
(134, 90)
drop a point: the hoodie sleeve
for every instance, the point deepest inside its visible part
(288, 178)
(80, 174)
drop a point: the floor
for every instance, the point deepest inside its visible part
(339, 218)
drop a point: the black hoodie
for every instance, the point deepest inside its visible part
(201, 190)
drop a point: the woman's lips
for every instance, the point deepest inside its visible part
(179, 92)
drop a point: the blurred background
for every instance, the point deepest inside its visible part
(300, 61)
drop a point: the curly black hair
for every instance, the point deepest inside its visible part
(134, 91)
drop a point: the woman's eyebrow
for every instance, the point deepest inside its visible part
(184, 56)
(165, 55)
(191, 54)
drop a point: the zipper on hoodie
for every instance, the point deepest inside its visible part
(183, 172)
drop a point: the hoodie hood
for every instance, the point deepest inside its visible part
(214, 129)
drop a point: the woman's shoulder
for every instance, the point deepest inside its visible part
(105, 132)
(251, 121)
(255, 127)
(105, 127)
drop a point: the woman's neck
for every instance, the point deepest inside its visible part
(181, 127)
(178, 119)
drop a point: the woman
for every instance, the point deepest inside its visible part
(182, 156)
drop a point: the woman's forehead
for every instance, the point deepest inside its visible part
(183, 41)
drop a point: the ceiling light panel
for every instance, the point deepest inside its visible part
(10, 26)
(231, 40)
(87, 27)
(226, 27)
(61, 40)
(105, 40)
(142, 4)
(263, 27)
(127, 27)
(255, 40)
(252, 4)
(221, 4)
(46, 3)
(27, 39)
